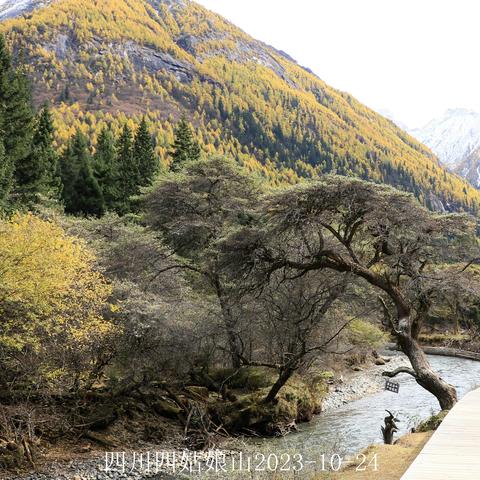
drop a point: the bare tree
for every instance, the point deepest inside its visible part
(378, 234)
(165, 325)
(193, 211)
(296, 324)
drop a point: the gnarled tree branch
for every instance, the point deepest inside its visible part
(398, 370)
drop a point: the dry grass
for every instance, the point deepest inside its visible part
(392, 460)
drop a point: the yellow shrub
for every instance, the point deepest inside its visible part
(365, 334)
(51, 297)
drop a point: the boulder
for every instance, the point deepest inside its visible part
(166, 409)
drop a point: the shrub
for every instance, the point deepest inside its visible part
(52, 301)
(367, 335)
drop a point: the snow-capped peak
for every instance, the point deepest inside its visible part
(453, 136)
(14, 8)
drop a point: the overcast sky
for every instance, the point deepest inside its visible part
(415, 58)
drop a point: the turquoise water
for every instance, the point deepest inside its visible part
(354, 426)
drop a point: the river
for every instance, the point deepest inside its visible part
(352, 427)
(342, 431)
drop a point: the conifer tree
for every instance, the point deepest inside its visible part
(128, 174)
(184, 148)
(6, 178)
(16, 108)
(81, 193)
(43, 142)
(195, 151)
(16, 115)
(105, 167)
(70, 163)
(39, 171)
(68, 173)
(88, 194)
(144, 155)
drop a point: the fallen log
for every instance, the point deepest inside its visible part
(444, 351)
(100, 439)
(452, 352)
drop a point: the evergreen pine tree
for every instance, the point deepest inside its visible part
(144, 155)
(39, 172)
(65, 95)
(184, 148)
(16, 108)
(16, 114)
(128, 173)
(68, 174)
(43, 141)
(105, 168)
(6, 178)
(195, 151)
(88, 194)
(5, 59)
(81, 193)
(18, 125)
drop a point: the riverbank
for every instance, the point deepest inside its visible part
(345, 429)
(364, 381)
(368, 380)
(85, 462)
(388, 462)
(392, 460)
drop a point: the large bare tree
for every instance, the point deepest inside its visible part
(193, 210)
(379, 234)
(297, 322)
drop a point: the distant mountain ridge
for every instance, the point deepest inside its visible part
(392, 117)
(455, 138)
(14, 8)
(112, 61)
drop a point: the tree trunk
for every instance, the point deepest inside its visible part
(452, 352)
(424, 375)
(285, 374)
(233, 340)
(456, 325)
(234, 343)
(389, 429)
(235, 352)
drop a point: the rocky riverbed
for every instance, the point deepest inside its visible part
(362, 382)
(91, 469)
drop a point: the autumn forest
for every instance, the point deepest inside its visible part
(199, 237)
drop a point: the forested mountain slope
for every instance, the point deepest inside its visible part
(99, 61)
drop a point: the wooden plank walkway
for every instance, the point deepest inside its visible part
(453, 451)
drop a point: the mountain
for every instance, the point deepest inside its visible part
(14, 8)
(113, 61)
(469, 167)
(455, 138)
(392, 117)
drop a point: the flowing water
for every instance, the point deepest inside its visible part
(332, 436)
(354, 426)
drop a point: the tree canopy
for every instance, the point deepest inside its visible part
(374, 232)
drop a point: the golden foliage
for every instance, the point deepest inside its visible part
(245, 99)
(50, 294)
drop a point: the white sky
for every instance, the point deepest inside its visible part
(415, 58)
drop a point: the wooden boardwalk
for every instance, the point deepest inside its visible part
(453, 451)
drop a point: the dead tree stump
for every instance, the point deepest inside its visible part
(390, 428)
